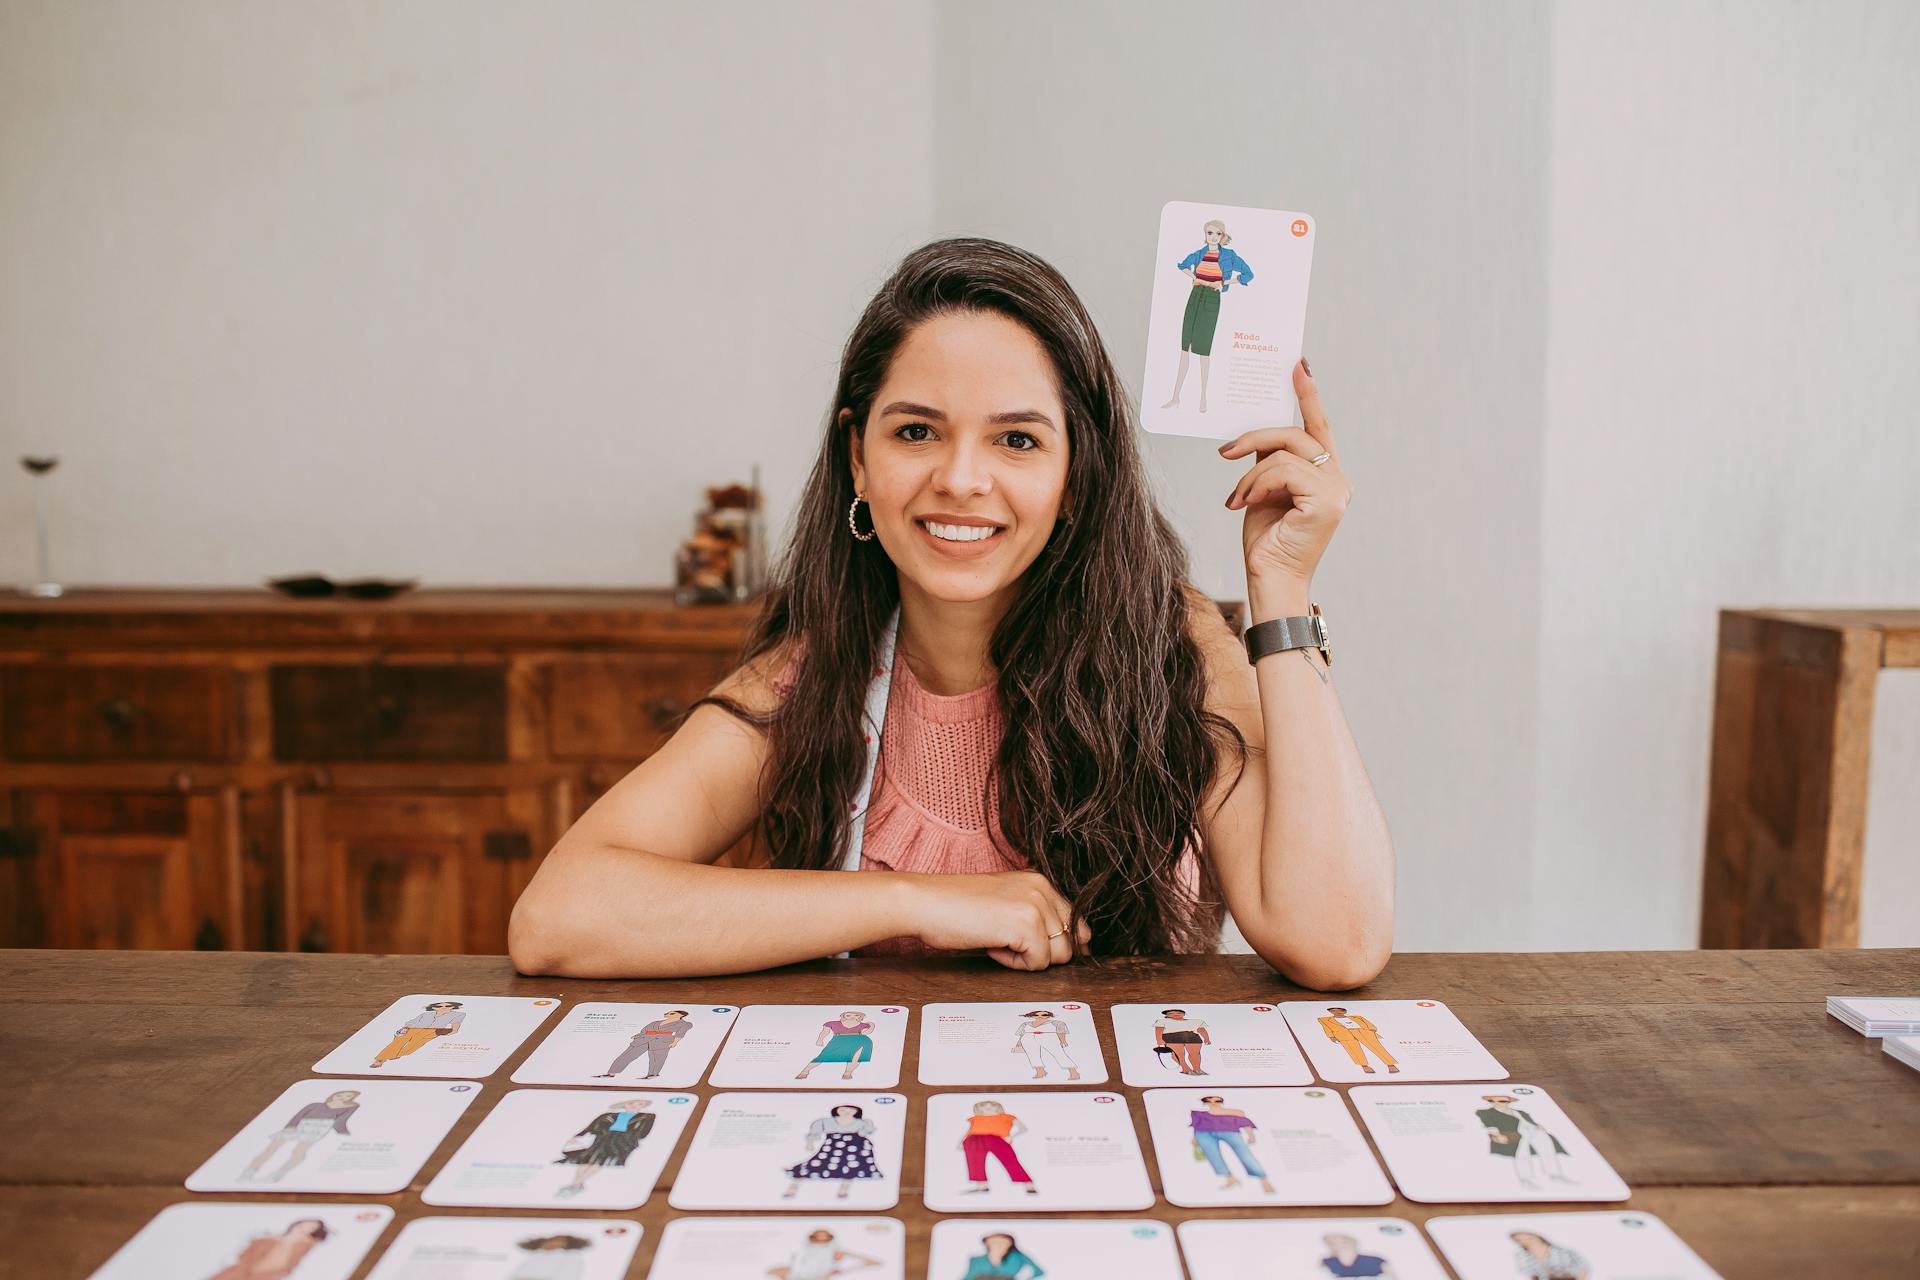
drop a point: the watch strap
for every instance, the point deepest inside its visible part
(1277, 635)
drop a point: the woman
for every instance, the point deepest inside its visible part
(305, 1127)
(1223, 1126)
(441, 1018)
(656, 1040)
(1345, 1260)
(1181, 1037)
(555, 1257)
(1072, 746)
(990, 1132)
(275, 1257)
(1000, 1259)
(1212, 268)
(839, 1149)
(610, 1138)
(1540, 1259)
(1043, 1038)
(820, 1258)
(846, 1041)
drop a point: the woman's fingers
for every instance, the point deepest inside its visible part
(1281, 471)
(1267, 440)
(1311, 411)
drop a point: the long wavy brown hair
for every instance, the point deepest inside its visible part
(1108, 751)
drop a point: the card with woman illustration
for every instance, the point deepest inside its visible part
(1388, 1041)
(1491, 1143)
(795, 1248)
(250, 1242)
(1172, 1044)
(1266, 1146)
(794, 1151)
(565, 1149)
(1057, 1248)
(473, 1248)
(1227, 320)
(365, 1136)
(450, 1037)
(813, 1046)
(1307, 1249)
(615, 1044)
(1032, 1151)
(1010, 1042)
(1569, 1246)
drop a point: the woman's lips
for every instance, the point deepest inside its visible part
(961, 550)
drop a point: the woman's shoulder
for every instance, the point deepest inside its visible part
(762, 682)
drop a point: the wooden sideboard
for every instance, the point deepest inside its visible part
(231, 770)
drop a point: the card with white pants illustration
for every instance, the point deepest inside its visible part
(1031, 1151)
(665, 1045)
(1059, 1249)
(464, 1037)
(565, 1149)
(1261, 1146)
(813, 1046)
(1350, 1041)
(795, 1248)
(1466, 1143)
(1307, 1249)
(1547, 1246)
(1175, 1045)
(1227, 321)
(194, 1241)
(510, 1249)
(801, 1151)
(1010, 1042)
(351, 1136)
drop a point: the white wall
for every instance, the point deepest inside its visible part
(1613, 310)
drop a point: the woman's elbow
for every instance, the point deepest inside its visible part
(1324, 967)
(531, 942)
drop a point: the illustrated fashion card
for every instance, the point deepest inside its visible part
(565, 1149)
(1307, 1249)
(1059, 1249)
(463, 1037)
(1010, 1042)
(1261, 1146)
(474, 1248)
(1175, 1045)
(795, 1248)
(1461, 1143)
(250, 1242)
(1031, 1151)
(1350, 1041)
(1568, 1246)
(804, 1151)
(813, 1046)
(349, 1136)
(665, 1045)
(1228, 319)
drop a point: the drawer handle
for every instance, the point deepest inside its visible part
(209, 938)
(665, 711)
(315, 938)
(507, 846)
(18, 842)
(119, 714)
(389, 712)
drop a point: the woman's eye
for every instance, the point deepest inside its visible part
(1031, 444)
(912, 426)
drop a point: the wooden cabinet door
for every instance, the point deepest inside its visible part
(410, 872)
(121, 869)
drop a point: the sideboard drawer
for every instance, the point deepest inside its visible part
(389, 711)
(624, 705)
(71, 711)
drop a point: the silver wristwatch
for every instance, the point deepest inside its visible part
(1280, 634)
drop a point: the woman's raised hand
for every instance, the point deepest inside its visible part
(1017, 917)
(1292, 504)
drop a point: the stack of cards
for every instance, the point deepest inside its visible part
(1904, 1049)
(1877, 1015)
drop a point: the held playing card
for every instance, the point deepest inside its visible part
(794, 1248)
(474, 1248)
(1010, 1042)
(1465, 1143)
(310, 1241)
(1235, 1146)
(664, 1045)
(1030, 1151)
(456, 1037)
(349, 1136)
(1388, 1041)
(565, 1149)
(1228, 317)
(1219, 1044)
(1630, 1244)
(1307, 1249)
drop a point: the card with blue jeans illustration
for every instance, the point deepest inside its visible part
(1270, 1146)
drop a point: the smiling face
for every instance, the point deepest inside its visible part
(964, 458)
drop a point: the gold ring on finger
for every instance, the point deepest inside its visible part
(1322, 458)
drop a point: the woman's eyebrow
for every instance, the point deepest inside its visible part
(998, 419)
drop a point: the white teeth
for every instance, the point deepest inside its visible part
(959, 532)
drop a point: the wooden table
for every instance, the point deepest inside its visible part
(1787, 804)
(1776, 1141)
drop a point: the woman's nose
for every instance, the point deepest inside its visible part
(964, 471)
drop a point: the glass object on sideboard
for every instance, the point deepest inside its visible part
(43, 585)
(725, 559)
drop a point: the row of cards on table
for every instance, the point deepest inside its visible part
(829, 1046)
(327, 1241)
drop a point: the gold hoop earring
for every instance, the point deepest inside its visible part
(854, 528)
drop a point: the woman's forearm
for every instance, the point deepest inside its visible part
(595, 911)
(1325, 915)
